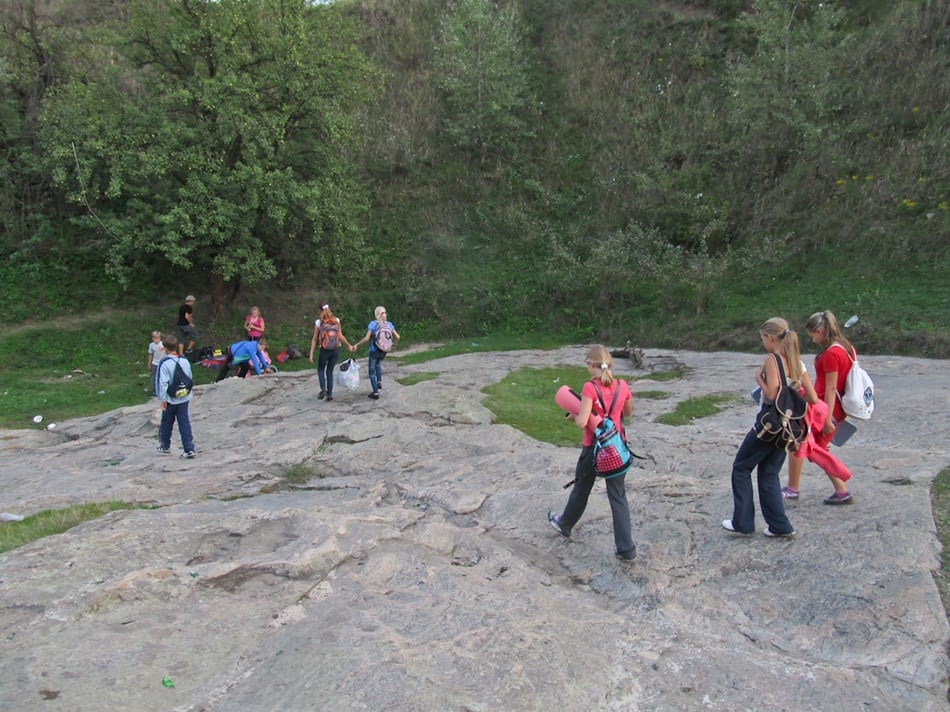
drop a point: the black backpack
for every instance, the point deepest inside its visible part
(180, 384)
(783, 422)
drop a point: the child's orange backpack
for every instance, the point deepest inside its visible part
(330, 335)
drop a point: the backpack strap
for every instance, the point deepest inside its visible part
(838, 394)
(158, 373)
(841, 346)
(782, 378)
(613, 402)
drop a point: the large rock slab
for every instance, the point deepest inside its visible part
(414, 569)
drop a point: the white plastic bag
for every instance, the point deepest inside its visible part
(348, 374)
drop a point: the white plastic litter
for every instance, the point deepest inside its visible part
(348, 374)
(37, 418)
(7, 517)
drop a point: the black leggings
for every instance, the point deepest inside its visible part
(242, 368)
(326, 362)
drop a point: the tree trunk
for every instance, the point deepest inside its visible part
(218, 296)
(223, 295)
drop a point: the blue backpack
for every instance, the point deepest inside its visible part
(612, 456)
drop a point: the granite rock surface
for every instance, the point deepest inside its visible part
(411, 567)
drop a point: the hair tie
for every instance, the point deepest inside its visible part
(603, 367)
(787, 332)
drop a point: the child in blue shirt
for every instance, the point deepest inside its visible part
(377, 350)
(245, 355)
(174, 408)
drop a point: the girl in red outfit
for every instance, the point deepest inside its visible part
(832, 365)
(599, 363)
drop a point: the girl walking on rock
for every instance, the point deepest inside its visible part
(832, 366)
(781, 344)
(596, 396)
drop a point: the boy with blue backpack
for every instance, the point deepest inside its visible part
(173, 388)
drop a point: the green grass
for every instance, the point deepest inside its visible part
(524, 399)
(54, 521)
(903, 305)
(60, 372)
(670, 375)
(693, 408)
(414, 378)
(299, 473)
(93, 364)
(485, 344)
(651, 395)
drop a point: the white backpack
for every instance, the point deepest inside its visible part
(858, 397)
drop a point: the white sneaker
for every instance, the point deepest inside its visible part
(555, 521)
(769, 533)
(727, 525)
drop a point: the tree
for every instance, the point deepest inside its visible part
(786, 95)
(219, 139)
(481, 68)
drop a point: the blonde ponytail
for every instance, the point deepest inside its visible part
(600, 357)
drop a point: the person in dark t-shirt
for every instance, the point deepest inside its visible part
(187, 333)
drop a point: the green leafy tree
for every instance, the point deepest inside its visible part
(219, 139)
(786, 95)
(482, 69)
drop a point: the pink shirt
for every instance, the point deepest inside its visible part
(607, 393)
(254, 325)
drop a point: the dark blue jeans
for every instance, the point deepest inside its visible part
(173, 412)
(376, 370)
(584, 479)
(768, 459)
(326, 362)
